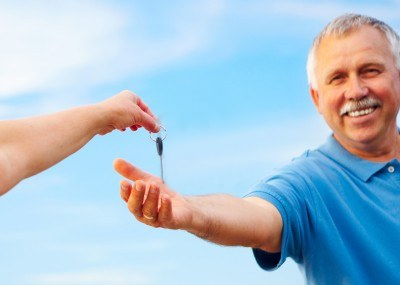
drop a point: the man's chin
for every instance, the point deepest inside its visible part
(368, 135)
(357, 138)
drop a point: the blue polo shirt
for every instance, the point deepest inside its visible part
(341, 217)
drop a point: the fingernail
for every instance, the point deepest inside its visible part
(139, 187)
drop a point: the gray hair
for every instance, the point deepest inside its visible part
(343, 25)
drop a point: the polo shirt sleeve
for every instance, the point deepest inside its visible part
(289, 193)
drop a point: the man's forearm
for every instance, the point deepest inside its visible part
(227, 220)
(220, 218)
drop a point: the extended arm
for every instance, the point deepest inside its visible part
(31, 145)
(222, 219)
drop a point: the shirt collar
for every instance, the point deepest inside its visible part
(362, 168)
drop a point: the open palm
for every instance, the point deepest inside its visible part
(151, 201)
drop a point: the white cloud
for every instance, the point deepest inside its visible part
(70, 45)
(41, 41)
(48, 46)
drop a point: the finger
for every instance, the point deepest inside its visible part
(134, 128)
(148, 120)
(150, 206)
(130, 171)
(149, 123)
(125, 190)
(142, 105)
(136, 198)
(165, 213)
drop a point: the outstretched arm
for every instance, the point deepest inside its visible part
(222, 219)
(31, 145)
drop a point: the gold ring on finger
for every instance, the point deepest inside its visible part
(148, 217)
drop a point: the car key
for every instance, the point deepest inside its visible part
(160, 148)
(159, 143)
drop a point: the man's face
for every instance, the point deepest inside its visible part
(358, 87)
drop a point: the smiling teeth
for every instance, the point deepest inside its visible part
(361, 113)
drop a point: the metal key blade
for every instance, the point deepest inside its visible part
(162, 169)
(159, 144)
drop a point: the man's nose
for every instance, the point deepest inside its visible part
(356, 89)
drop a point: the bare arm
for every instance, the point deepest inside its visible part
(222, 219)
(31, 145)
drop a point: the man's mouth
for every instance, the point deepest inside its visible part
(360, 108)
(360, 112)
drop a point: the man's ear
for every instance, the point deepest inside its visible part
(315, 97)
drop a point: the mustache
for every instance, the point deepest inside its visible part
(356, 105)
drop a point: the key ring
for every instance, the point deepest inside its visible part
(162, 129)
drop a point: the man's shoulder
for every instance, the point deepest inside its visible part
(310, 160)
(313, 167)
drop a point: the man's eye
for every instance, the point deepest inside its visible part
(336, 79)
(371, 71)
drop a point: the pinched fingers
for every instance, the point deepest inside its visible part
(148, 122)
(144, 117)
(145, 108)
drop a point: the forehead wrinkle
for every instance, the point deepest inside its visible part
(339, 59)
(357, 63)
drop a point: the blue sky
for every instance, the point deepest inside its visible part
(226, 78)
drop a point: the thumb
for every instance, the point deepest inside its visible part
(129, 171)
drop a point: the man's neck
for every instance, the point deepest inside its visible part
(377, 151)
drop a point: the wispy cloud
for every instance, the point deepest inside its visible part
(44, 41)
(70, 45)
(185, 35)
(59, 44)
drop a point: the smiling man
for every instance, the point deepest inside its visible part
(356, 89)
(334, 210)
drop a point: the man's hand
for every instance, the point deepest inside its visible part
(219, 218)
(150, 200)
